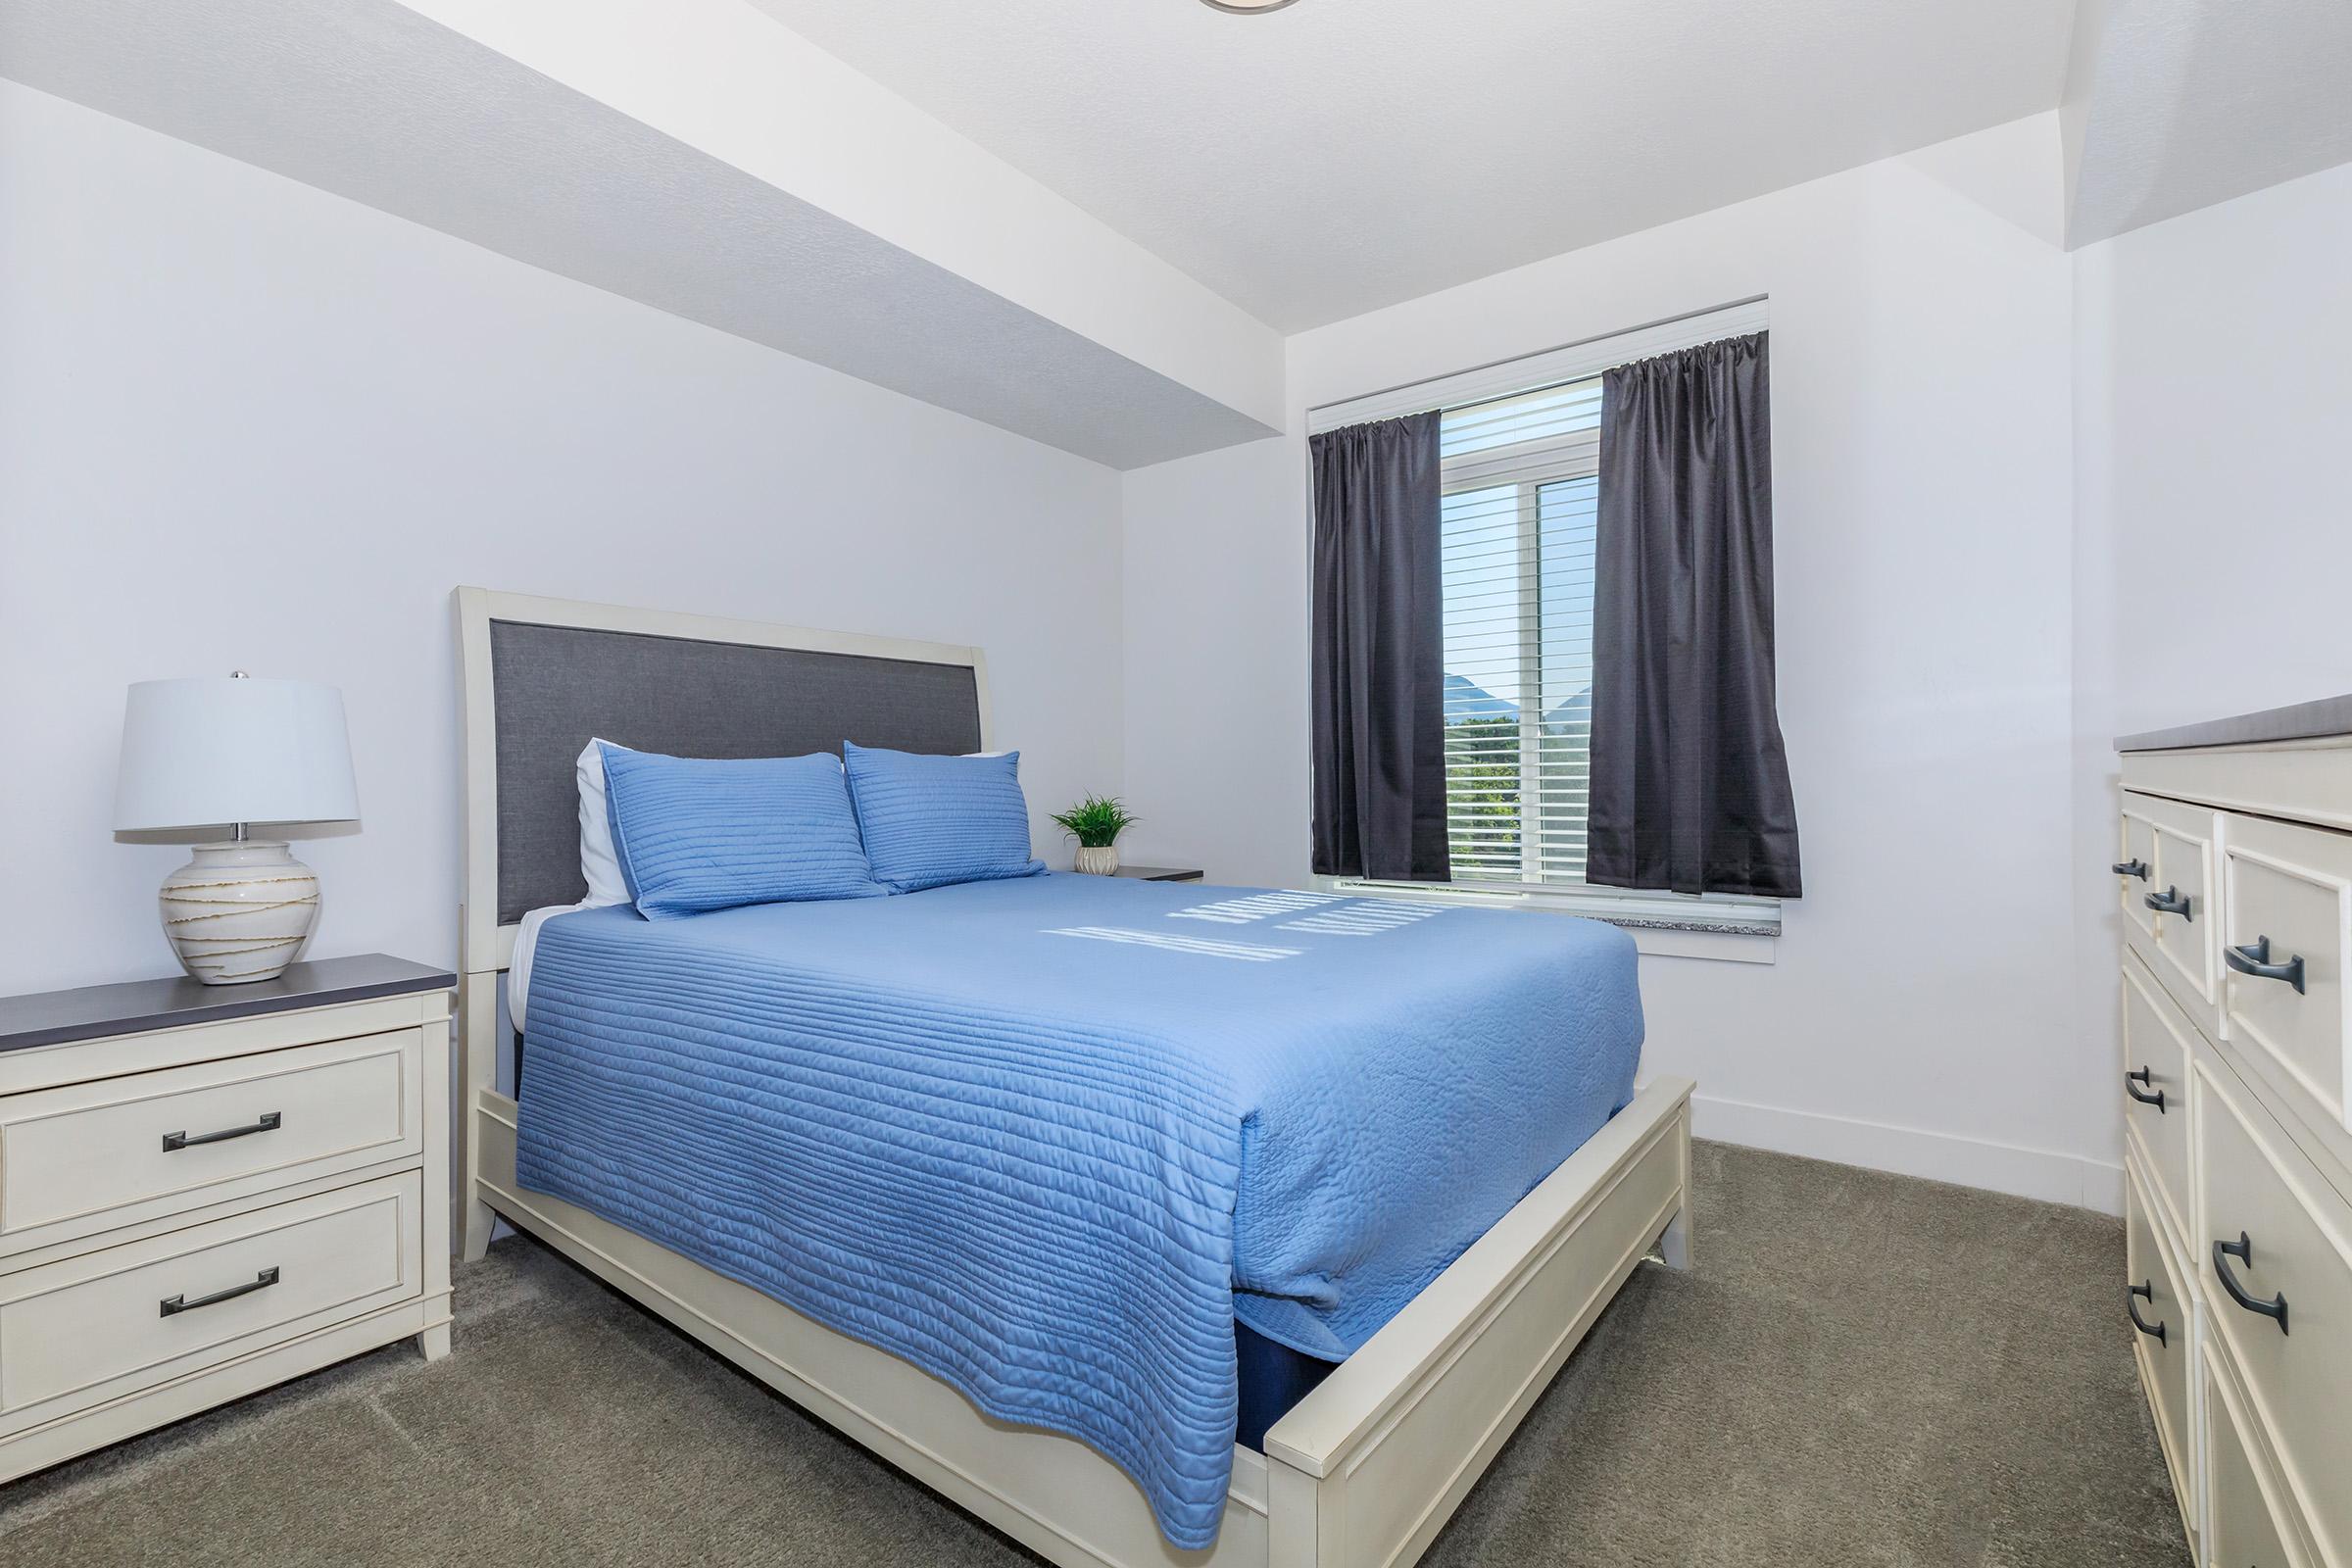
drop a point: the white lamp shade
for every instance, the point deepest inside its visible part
(229, 749)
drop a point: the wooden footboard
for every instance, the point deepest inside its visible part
(1363, 1472)
(1367, 1468)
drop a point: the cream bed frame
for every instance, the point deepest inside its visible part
(1363, 1472)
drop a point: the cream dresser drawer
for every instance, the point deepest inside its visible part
(2169, 916)
(2154, 1086)
(2275, 1265)
(2157, 1302)
(2286, 919)
(2136, 869)
(89, 1156)
(110, 1322)
(2245, 1519)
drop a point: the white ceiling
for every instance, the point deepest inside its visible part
(1340, 155)
(999, 214)
(2173, 105)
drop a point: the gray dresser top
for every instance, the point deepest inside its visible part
(2329, 716)
(92, 1012)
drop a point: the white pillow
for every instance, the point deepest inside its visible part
(599, 866)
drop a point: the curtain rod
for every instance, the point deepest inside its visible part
(1495, 365)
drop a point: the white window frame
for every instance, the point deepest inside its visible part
(1712, 925)
(1577, 457)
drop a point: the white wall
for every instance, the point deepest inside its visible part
(1918, 1015)
(1216, 663)
(247, 425)
(2213, 366)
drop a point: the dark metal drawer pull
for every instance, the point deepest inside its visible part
(2170, 902)
(2143, 1293)
(268, 1124)
(2243, 1250)
(2254, 959)
(174, 1305)
(2131, 1087)
(2138, 869)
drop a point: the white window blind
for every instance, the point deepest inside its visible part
(1520, 480)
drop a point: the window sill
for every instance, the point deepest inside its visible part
(1723, 947)
(1743, 935)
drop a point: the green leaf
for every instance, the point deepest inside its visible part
(1096, 822)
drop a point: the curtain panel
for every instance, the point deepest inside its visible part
(1379, 638)
(1690, 778)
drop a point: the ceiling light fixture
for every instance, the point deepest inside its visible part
(1246, 8)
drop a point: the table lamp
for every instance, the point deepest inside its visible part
(231, 752)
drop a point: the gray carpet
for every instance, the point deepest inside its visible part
(1862, 1370)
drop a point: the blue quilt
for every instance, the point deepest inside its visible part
(1047, 1137)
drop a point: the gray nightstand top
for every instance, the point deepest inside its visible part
(92, 1012)
(1158, 873)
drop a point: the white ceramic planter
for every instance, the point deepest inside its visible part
(1102, 861)
(239, 911)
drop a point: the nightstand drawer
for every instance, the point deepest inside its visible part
(108, 1323)
(86, 1157)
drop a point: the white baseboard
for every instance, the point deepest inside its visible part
(2053, 1178)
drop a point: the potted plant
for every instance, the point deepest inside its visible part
(1097, 822)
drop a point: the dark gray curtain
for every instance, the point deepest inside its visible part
(1690, 778)
(1379, 677)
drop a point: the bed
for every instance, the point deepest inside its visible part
(1130, 1040)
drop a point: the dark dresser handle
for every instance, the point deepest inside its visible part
(174, 1305)
(2172, 901)
(2138, 869)
(2243, 1250)
(2143, 1293)
(2254, 959)
(2131, 1087)
(268, 1124)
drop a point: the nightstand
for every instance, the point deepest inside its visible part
(207, 1190)
(1158, 873)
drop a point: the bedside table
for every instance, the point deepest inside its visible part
(207, 1190)
(1158, 873)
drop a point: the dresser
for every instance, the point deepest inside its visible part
(207, 1190)
(2233, 867)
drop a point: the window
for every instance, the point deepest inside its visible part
(1521, 485)
(1519, 441)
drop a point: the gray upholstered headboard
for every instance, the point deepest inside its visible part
(542, 677)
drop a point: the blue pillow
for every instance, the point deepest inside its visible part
(696, 833)
(932, 821)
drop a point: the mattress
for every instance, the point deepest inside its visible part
(1051, 1138)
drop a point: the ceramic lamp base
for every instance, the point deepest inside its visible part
(239, 913)
(1102, 860)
